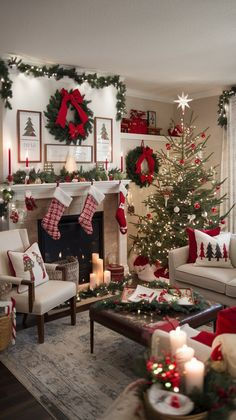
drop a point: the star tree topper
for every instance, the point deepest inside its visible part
(183, 101)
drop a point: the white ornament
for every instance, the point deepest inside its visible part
(204, 214)
(176, 209)
(159, 243)
(191, 217)
(166, 198)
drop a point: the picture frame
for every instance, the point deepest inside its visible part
(103, 139)
(29, 134)
(57, 153)
(151, 119)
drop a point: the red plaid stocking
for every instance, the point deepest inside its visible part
(56, 209)
(94, 198)
(120, 213)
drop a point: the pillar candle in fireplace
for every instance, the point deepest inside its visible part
(99, 271)
(93, 281)
(107, 277)
(95, 257)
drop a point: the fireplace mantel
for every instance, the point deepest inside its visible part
(74, 189)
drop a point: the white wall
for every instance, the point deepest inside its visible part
(31, 93)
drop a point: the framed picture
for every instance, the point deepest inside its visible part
(151, 119)
(103, 133)
(57, 153)
(29, 132)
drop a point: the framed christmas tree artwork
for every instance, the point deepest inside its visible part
(103, 134)
(29, 131)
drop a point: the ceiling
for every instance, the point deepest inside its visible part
(160, 47)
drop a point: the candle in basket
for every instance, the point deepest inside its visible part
(99, 271)
(107, 277)
(93, 281)
(183, 354)
(177, 339)
(194, 375)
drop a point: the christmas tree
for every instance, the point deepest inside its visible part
(29, 128)
(104, 134)
(187, 195)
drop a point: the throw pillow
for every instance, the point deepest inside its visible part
(213, 252)
(193, 244)
(28, 265)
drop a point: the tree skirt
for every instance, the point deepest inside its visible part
(62, 374)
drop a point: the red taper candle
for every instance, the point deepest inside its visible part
(9, 161)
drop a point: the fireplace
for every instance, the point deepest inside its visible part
(74, 241)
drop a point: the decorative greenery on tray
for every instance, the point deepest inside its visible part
(142, 306)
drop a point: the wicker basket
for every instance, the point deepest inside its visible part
(153, 414)
(5, 331)
(69, 268)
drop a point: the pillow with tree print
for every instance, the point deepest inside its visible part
(213, 251)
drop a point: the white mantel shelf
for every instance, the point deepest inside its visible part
(147, 137)
(73, 189)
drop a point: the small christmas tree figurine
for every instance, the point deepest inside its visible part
(187, 195)
(29, 129)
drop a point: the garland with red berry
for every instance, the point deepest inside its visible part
(134, 160)
(59, 127)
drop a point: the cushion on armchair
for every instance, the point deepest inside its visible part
(28, 265)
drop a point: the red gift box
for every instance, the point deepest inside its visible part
(138, 126)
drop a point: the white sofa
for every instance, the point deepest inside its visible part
(216, 284)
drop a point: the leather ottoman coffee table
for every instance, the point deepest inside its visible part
(135, 326)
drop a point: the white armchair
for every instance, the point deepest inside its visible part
(36, 300)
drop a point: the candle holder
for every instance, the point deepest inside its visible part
(10, 179)
(27, 171)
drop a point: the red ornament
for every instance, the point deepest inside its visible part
(203, 135)
(197, 161)
(149, 215)
(181, 162)
(217, 187)
(149, 365)
(222, 222)
(174, 402)
(214, 209)
(197, 205)
(168, 146)
(193, 146)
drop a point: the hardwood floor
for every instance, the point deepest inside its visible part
(16, 403)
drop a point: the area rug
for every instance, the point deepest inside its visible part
(62, 374)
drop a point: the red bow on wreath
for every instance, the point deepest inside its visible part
(75, 98)
(146, 155)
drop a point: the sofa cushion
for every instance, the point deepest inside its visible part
(211, 278)
(213, 252)
(231, 288)
(232, 249)
(192, 241)
(47, 296)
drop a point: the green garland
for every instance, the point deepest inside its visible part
(143, 306)
(57, 72)
(6, 196)
(131, 159)
(62, 134)
(223, 102)
(94, 174)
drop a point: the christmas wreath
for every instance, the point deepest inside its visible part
(134, 160)
(56, 113)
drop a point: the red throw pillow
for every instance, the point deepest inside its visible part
(226, 321)
(193, 243)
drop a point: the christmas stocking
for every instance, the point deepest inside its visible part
(120, 213)
(56, 209)
(93, 199)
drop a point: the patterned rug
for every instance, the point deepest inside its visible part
(62, 374)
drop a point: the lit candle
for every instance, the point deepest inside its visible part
(121, 162)
(93, 281)
(9, 161)
(99, 271)
(183, 354)
(194, 375)
(177, 339)
(107, 277)
(27, 159)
